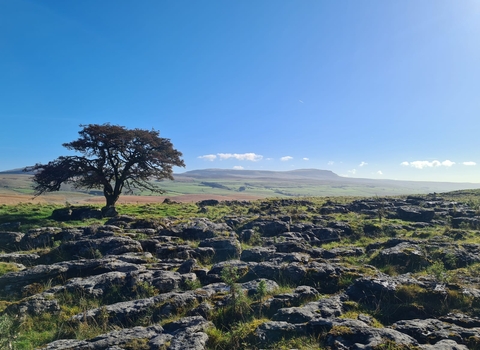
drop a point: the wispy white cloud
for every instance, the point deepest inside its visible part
(210, 157)
(238, 167)
(301, 101)
(353, 171)
(362, 164)
(469, 163)
(421, 164)
(286, 158)
(240, 156)
(306, 158)
(379, 172)
(331, 162)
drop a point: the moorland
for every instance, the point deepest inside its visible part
(224, 184)
(396, 272)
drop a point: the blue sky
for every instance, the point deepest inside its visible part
(375, 89)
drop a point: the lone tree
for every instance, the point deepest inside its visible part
(113, 158)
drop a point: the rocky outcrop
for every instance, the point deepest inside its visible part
(113, 340)
(225, 248)
(307, 270)
(10, 241)
(416, 214)
(197, 229)
(432, 331)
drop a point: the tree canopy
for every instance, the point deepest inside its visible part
(113, 158)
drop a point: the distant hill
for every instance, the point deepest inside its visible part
(258, 183)
(13, 172)
(316, 182)
(315, 174)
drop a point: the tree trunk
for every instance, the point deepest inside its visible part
(109, 211)
(111, 199)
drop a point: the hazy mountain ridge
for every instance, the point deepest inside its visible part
(230, 173)
(304, 174)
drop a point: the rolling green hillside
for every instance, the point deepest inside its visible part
(303, 182)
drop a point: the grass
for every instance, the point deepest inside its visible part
(303, 342)
(7, 267)
(39, 215)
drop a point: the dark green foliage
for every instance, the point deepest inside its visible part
(113, 158)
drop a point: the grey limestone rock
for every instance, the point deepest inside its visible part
(10, 241)
(188, 333)
(225, 248)
(112, 340)
(328, 307)
(19, 258)
(96, 285)
(446, 344)
(430, 331)
(355, 334)
(13, 282)
(406, 256)
(189, 341)
(251, 287)
(258, 254)
(268, 228)
(273, 331)
(35, 305)
(415, 213)
(96, 248)
(197, 229)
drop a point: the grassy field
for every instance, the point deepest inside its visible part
(16, 188)
(283, 188)
(31, 215)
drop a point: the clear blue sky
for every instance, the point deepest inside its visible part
(376, 89)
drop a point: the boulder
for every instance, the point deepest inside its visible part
(196, 229)
(125, 313)
(19, 258)
(188, 266)
(35, 305)
(112, 340)
(273, 331)
(268, 228)
(405, 256)
(76, 213)
(468, 222)
(251, 287)
(225, 248)
(39, 238)
(431, 331)
(10, 241)
(326, 234)
(300, 295)
(416, 214)
(13, 282)
(444, 345)
(328, 307)
(208, 202)
(97, 285)
(188, 333)
(461, 320)
(258, 254)
(93, 248)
